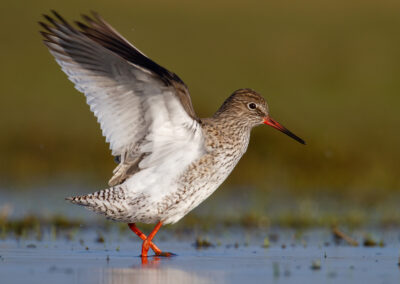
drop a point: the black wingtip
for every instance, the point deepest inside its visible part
(81, 25)
(87, 18)
(43, 25)
(96, 16)
(48, 18)
(61, 19)
(55, 13)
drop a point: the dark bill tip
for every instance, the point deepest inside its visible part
(269, 121)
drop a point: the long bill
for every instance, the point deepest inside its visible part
(269, 121)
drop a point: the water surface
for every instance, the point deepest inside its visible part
(236, 257)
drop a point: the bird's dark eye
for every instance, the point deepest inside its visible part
(252, 106)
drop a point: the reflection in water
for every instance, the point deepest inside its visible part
(151, 271)
(150, 261)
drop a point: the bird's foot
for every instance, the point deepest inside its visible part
(165, 254)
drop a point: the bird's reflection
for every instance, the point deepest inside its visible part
(153, 270)
(150, 262)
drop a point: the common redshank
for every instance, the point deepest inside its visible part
(169, 159)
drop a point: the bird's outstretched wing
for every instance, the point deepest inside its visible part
(144, 110)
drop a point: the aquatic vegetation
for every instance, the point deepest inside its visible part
(56, 227)
(100, 238)
(254, 220)
(316, 264)
(370, 241)
(266, 243)
(339, 235)
(201, 243)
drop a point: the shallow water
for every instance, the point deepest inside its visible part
(75, 254)
(237, 257)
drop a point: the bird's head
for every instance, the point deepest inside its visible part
(249, 108)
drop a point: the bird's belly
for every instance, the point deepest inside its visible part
(195, 185)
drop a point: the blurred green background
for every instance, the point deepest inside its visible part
(329, 70)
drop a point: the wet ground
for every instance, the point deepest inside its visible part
(234, 256)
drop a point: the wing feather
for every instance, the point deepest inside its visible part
(144, 110)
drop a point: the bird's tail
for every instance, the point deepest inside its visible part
(108, 202)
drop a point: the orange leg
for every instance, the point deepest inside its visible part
(136, 230)
(147, 241)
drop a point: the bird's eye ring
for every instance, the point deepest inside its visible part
(252, 106)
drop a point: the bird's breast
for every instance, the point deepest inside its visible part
(201, 179)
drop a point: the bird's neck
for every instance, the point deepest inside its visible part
(231, 122)
(227, 130)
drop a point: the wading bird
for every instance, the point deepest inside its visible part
(169, 159)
